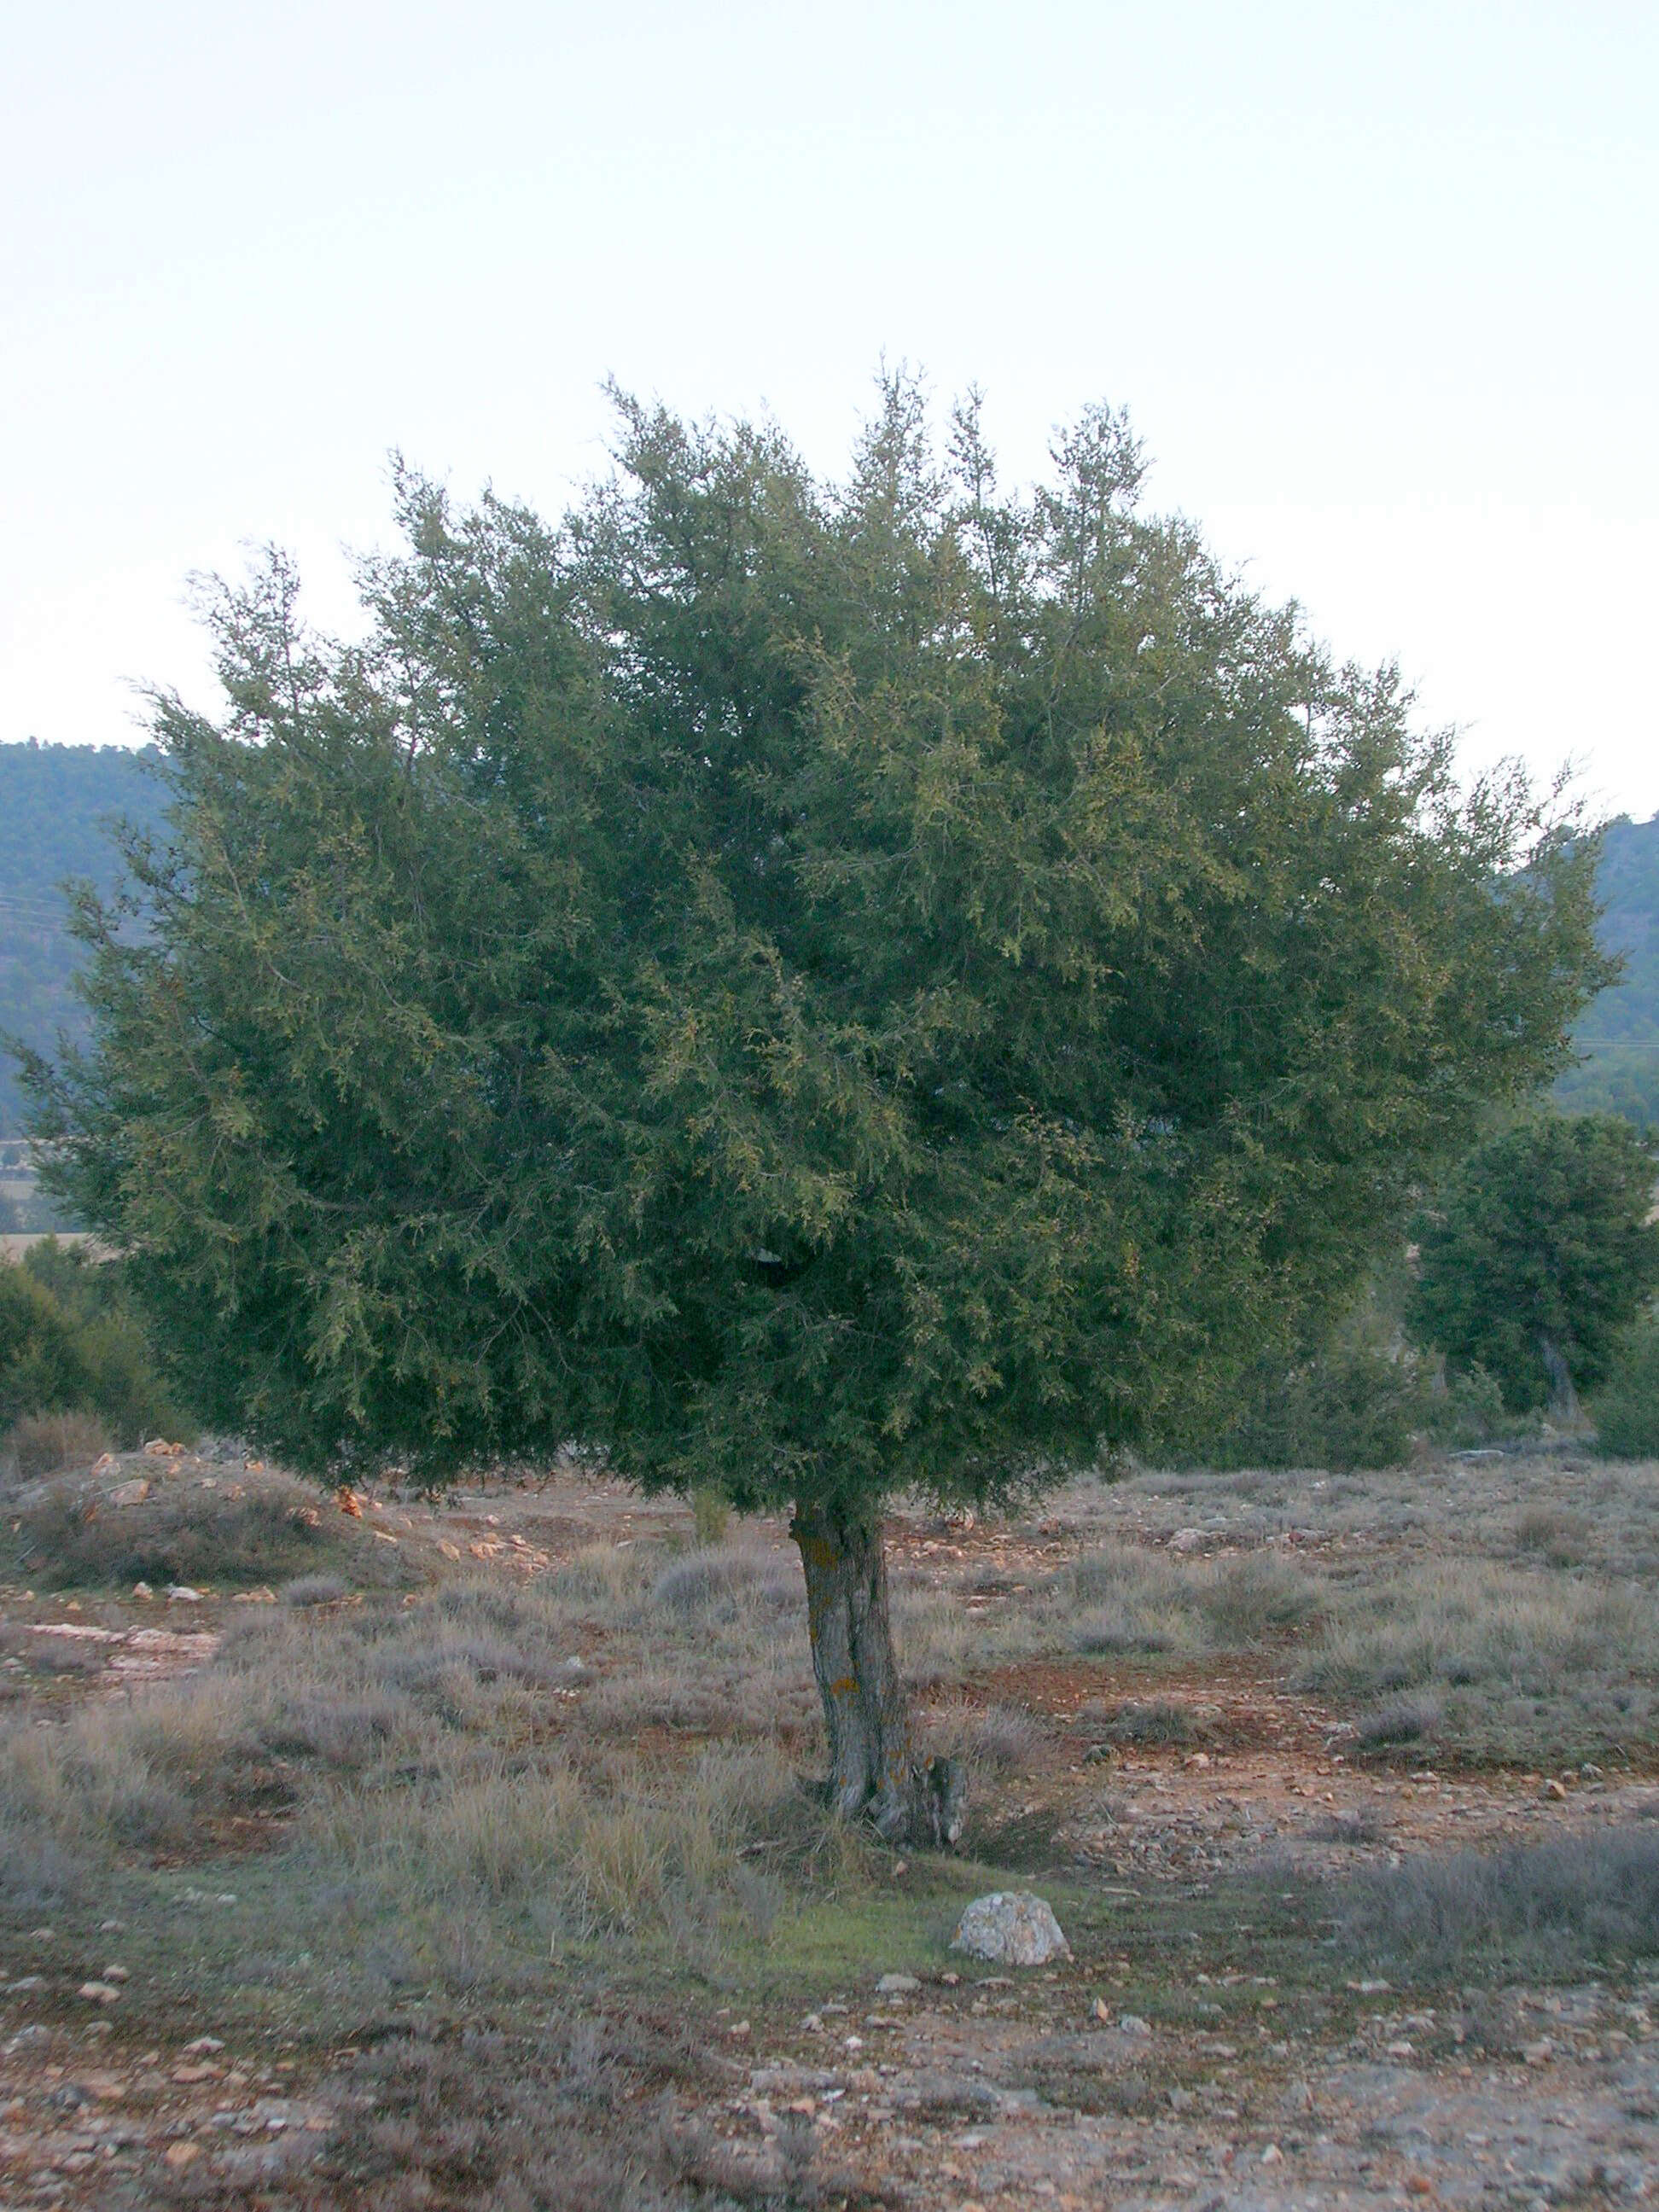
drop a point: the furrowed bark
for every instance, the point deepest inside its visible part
(874, 1774)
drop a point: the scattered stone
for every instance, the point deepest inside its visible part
(1013, 1927)
(181, 2155)
(116, 1974)
(182, 1594)
(130, 1494)
(143, 1589)
(898, 1986)
(100, 1993)
(205, 2042)
(1554, 1791)
(1132, 2024)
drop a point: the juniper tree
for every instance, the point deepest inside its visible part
(1539, 1252)
(823, 990)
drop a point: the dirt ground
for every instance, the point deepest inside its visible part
(1181, 2056)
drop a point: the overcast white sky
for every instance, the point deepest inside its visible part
(1376, 282)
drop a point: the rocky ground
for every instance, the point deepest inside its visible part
(1181, 2057)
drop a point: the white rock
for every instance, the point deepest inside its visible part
(1013, 1927)
(898, 1986)
(182, 1594)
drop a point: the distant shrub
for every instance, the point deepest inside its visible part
(314, 1589)
(424, 1666)
(711, 1516)
(44, 1443)
(1399, 1720)
(1355, 1406)
(1246, 1598)
(37, 1872)
(1559, 1537)
(1001, 1739)
(1157, 1722)
(709, 1578)
(1626, 1409)
(184, 1532)
(70, 1339)
(1552, 1908)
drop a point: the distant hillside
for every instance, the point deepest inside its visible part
(55, 803)
(57, 800)
(1619, 1034)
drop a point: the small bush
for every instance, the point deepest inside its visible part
(711, 1579)
(1550, 1908)
(1246, 1598)
(1399, 1720)
(1117, 1631)
(46, 1443)
(1560, 1537)
(1626, 1409)
(426, 1666)
(711, 1516)
(998, 1739)
(1354, 1406)
(38, 1874)
(340, 1730)
(314, 1589)
(70, 1339)
(1157, 1722)
(264, 1531)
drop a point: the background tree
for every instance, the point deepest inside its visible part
(1539, 1252)
(821, 990)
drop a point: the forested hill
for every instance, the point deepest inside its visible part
(1619, 1034)
(55, 803)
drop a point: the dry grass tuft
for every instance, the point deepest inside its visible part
(45, 1443)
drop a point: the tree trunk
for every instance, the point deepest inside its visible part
(1564, 1399)
(874, 1774)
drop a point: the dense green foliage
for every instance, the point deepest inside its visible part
(1626, 1409)
(812, 988)
(1541, 1239)
(1619, 1033)
(70, 1339)
(55, 802)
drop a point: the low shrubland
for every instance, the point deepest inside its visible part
(1128, 1599)
(261, 1528)
(1546, 1910)
(1493, 1662)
